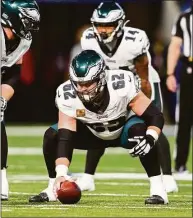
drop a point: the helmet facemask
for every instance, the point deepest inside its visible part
(94, 91)
(30, 22)
(106, 37)
(29, 26)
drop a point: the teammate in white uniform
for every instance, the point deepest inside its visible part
(126, 48)
(106, 108)
(132, 44)
(18, 19)
(122, 48)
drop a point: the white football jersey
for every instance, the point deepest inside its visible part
(7, 60)
(134, 43)
(123, 86)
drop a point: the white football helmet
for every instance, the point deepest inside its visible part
(108, 14)
(88, 69)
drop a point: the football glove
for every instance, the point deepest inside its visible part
(143, 145)
(3, 107)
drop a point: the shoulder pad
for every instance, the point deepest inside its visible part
(134, 33)
(87, 39)
(139, 38)
(123, 83)
(65, 96)
(88, 33)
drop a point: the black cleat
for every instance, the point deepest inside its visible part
(181, 170)
(154, 199)
(4, 197)
(42, 197)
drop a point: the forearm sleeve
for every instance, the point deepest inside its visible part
(65, 143)
(153, 116)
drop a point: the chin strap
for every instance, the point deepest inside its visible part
(126, 22)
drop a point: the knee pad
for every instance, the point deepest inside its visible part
(49, 150)
(50, 133)
(50, 138)
(11, 76)
(138, 129)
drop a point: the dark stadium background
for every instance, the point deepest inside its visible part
(34, 98)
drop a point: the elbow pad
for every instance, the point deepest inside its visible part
(153, 116)
(12, 76)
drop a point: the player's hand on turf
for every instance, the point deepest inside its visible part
(143, 145)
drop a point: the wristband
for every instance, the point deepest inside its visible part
(153, 133)
(61, 170)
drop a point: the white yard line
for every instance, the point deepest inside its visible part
(99, 183)
(133, 184)
(99, 176)
(26, 130)
(38, 151)
(130, 195)
(55, 206)
(5, 209)
(27, 181)
(107, 194)
(22, 193)
(39, 130)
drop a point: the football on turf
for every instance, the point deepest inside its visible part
(69, 192)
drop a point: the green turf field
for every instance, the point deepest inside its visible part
(113, 197)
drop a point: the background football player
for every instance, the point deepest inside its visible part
(18, 19)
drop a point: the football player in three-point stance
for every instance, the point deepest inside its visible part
(18, 19)
(101, 108)
(122, 48)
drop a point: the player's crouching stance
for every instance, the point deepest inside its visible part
(19, 19)
(96, 110)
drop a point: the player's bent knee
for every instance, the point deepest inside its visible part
(50, 133)
(137, 129)
(50, 138)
